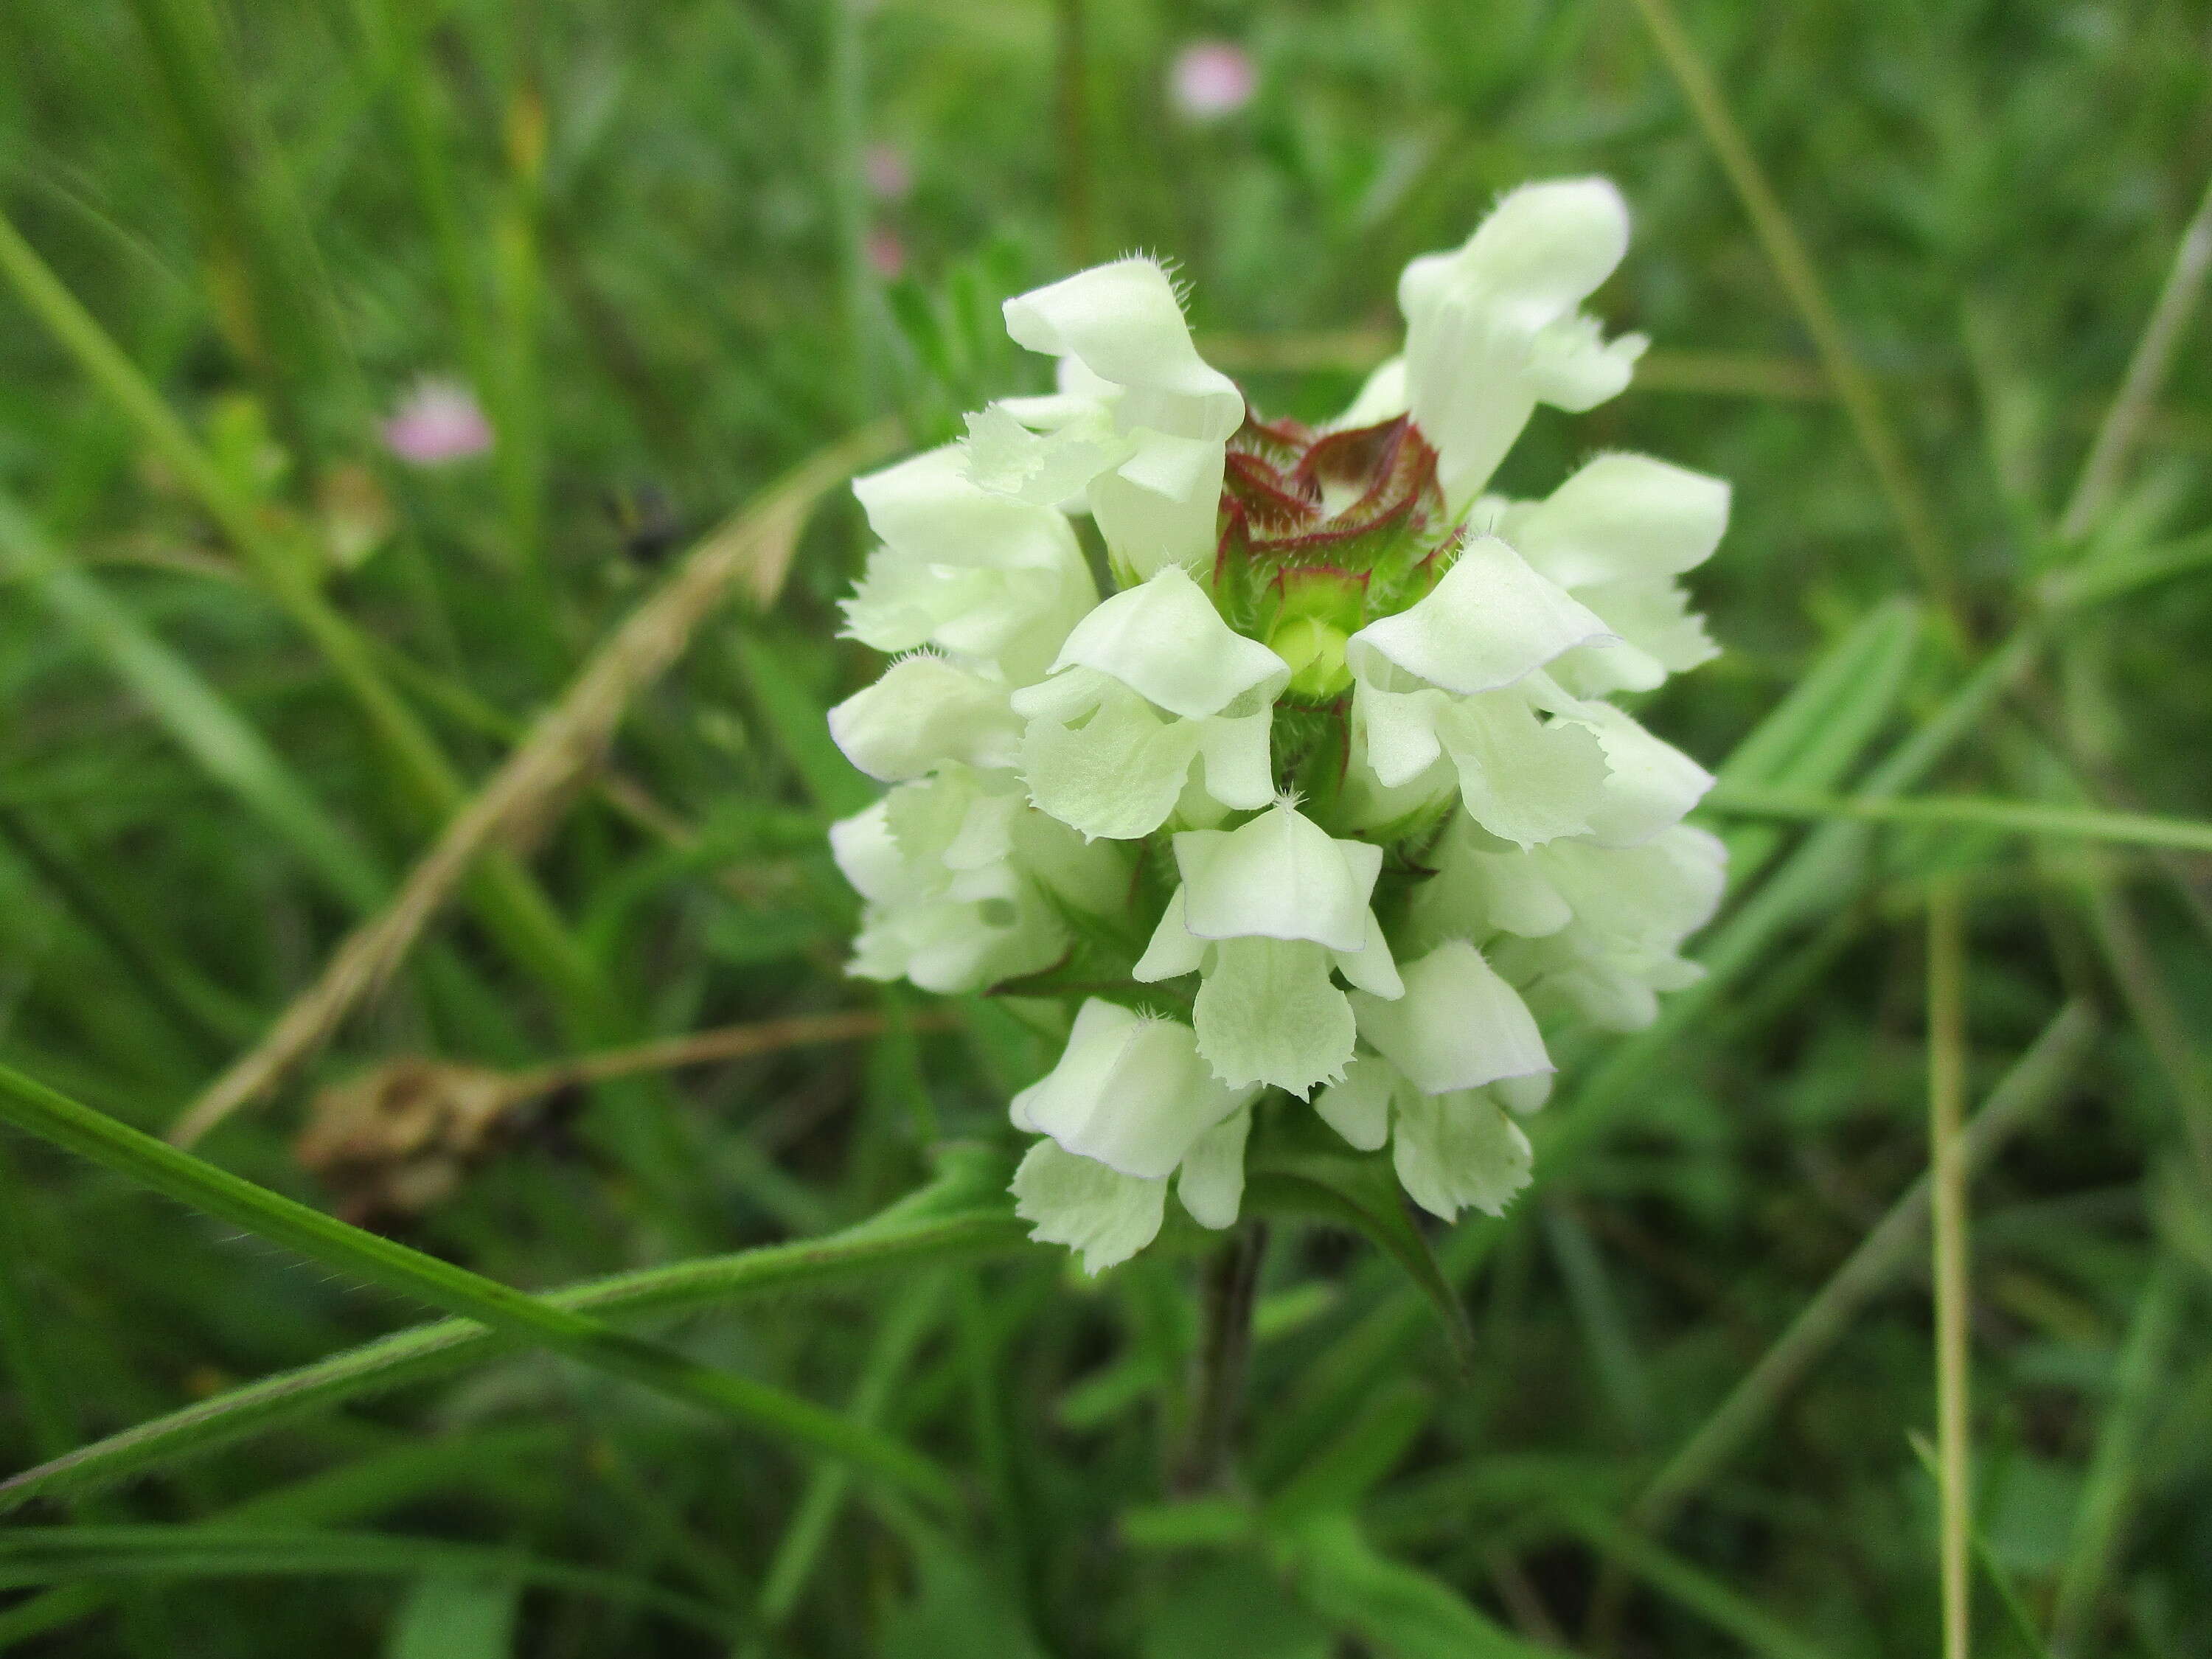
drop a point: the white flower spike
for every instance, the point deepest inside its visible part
(1333, 774)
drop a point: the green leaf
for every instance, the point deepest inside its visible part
(46, 1555)
(448, 1617)
(1397, 1610)
(964, 1610)
(555, 1323)
(1232, 1606)
(1298, 1170)
(798, 721)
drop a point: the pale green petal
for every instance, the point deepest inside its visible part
(1476, 356)
(1003, 457)
(1487, 622)
(1395, 731)
(1210, 1183)
(1659, 635)
(1620, 518)
(1085, 1058)
(921, 714)
(868, 856)
(1122, 321)
(1358, 1108)
(1174, 952)
(1072, 1201)
(1281, 876)
(1239, 765)
(1521, 1096)
(1372, 968)
(1452, 1151)
(1132, 1095)
(1117, 776)
(1457, 1026)
(1267, 1012)
(1157, 510)
(1650, 783)
(1165, 641)
(1572, 366)
(1381, 397)
(1483, 886)
(1524, 779)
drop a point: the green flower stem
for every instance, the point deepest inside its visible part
(1231, 1286)
(41, 1111)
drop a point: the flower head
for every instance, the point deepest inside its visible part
(1327, 801)
(437, 423)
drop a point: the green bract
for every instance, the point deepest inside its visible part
(1328, 794)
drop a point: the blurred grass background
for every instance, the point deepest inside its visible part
(677, 250)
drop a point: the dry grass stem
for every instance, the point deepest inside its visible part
(752, 552)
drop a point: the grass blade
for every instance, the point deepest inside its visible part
(375, 1260)
(1970, 812)
(962, 1213)
(1947, 1168)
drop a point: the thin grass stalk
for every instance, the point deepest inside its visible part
(36, 1109)
(2040, 1075)
(1967, 813)
(1899, 483)
(752, 552)
(2124, 423)
(1946, 1164)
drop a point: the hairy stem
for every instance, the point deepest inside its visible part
(1232, 1281)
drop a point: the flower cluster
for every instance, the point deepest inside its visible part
(1327, 796)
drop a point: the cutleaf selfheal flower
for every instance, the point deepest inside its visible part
(1327, 801)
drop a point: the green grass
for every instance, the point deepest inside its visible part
(1961, 657)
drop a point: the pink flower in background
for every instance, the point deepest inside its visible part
(438, 422)
(889, 176)
(1212, 78)
(886, 253)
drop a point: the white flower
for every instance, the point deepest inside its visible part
(1450, 1151)
(1129, 1104)
(1447, 680)
(978, 575)
(964, 882)
(1264, 913)
(1139, 423)
(1630, 908)
(1615, 535)
(927, 712)
(1457, 1025)
(1493, 328)
(1148, 682)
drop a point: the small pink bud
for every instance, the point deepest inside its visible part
(437, 423)
(889, 176)
(1212, 78)
(886, 253)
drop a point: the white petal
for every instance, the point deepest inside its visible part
(1165, 640)
(1543, 250)
(1134, 1096)
(1096, 1021)
(1267, 1012)
(923, 712)
(1123, 323)
(1381, 397)
(1490, 621)
(1524, 779)
(1174, 952)
(1212, 1181)
(1482, 887)
(1521, 1096)
(1395, 731)
(929, 506)
(1458, 1026)
(1372, 968)
(1358, 1108)
(1621, 518)
(1118, 776)
(1239, 761)
(1002, 455)
(1281, 876)
(868, 856)
(1460, 1149)
(1107, 1216)
(1651, 783)
(1572, 366)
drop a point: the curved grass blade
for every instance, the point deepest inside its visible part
(47, 1555)
(39, 1110)
(962, 1213)
(1973, 812)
